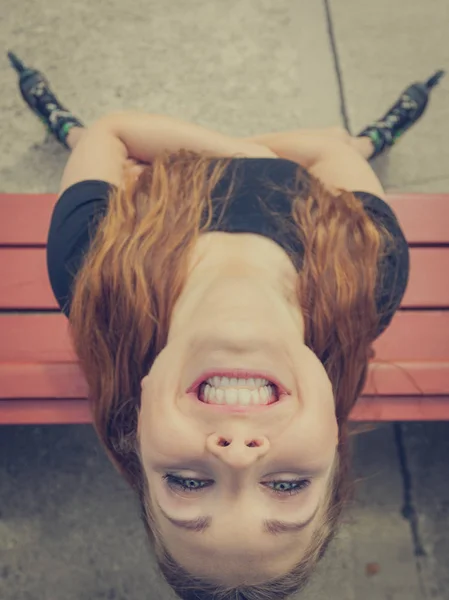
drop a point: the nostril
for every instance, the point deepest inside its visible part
(251, 444)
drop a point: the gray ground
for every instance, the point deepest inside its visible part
(69, 527)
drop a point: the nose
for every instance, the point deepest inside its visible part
(237, 451)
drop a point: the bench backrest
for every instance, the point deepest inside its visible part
(40, 381)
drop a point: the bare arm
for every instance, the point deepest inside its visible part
(105, 148)
(146, 135)
(329, 154)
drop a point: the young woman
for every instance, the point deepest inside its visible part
(223, 295)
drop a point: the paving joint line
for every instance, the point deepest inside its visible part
(408, 510)
(333, 44)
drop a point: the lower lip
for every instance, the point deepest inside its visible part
(235, 408)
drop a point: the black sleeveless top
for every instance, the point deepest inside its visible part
(74, 222)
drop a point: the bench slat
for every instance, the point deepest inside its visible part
(428, 284)
(42, 380)
(44, 411)
(76, 411)
(64, 380)
(406, 408)
(412, 335)
(408, 378)
(26, 217)
(24, 280)
(424, 218)
(27, 338)
(415, 335)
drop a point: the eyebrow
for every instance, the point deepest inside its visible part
(272, 526)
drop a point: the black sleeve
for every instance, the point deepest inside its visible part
(73, 225)
(395, 267)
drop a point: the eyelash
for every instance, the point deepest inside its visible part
(175, 482)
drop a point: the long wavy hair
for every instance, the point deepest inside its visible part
(132, 276)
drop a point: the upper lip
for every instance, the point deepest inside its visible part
(242, 373)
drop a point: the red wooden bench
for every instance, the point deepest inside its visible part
(40, 381)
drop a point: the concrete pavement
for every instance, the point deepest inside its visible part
(69, 527)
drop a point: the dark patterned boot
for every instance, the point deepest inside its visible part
(37, 93)
(402, 115)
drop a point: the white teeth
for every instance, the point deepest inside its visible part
(218, 394)
(231, 396)
(256, 397)
(240, 396)
(244, 397)
(233, 390)
(218, 381)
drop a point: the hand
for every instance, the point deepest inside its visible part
(133, 168)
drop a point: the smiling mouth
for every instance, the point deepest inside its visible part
(240, 390)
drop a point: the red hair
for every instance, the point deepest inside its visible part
(133, 274)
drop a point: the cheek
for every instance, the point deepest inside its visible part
(320, 438)
(315, 430)
(164, 433)
(323, 424)
(319, 403)
(330, 430)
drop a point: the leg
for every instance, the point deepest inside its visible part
(44, 103)
(404, 113)
(384, 132)
(36, 92)
(74, 136)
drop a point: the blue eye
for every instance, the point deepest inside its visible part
(291, 487)
(190, 484)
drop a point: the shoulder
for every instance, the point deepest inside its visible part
(81, 197)
(379, 210)
(394, 263)
(72, 225)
